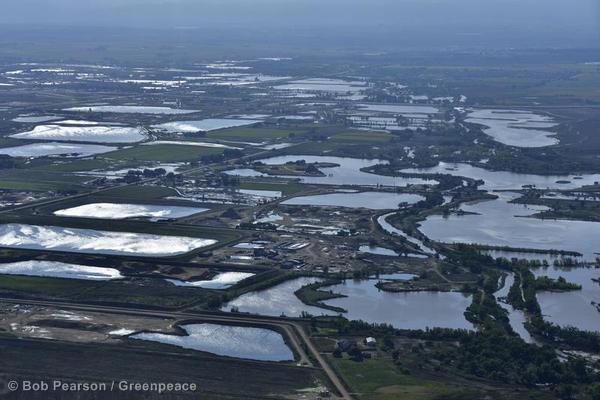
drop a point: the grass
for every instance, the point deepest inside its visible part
(363, 137)
(379, 379)
(40, 181)
(285, 188)
(163, 153)
(250, 134)
(139, 293)
(139, 192)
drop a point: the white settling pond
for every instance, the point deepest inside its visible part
(55, 149)
(205, 125)
(225, 340)
(92, 241)
(132, 110)
(99, 134)
(222, 280)
(122, 211)
(499, 223)
(504, 180)
(56, 269)
(573, 308)
(515, 127)
(370, 200)
(277, 300)
(347, 173)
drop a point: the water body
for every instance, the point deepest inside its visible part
(504, 180)
(380, 251)
(370, 200)
(132, 110)
(277, 300)
(404, 109)
(205, 125)
(122, 211)
(222, 280)
(392, 230)
(573, 308)
(55, 149)
(323, 85)
(99, 134)
(499, 223)
(516, 317)
(32, 119)
(411, 310)
(347, 173)
(226, 340)
(189, 143)
(515, 128)
(56, 269)
(97, 242)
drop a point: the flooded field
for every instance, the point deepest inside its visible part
(504, 180)
(226, 340)
(122, 211)
(573, 308)
(411, 310)
(516, 317)
(500, 223)
(392, 230)
(277, 300)
(515, 127)
(222, 280)
(132, 110)
(347, 173)
(370, 200)
(56, 269)
(92, 241)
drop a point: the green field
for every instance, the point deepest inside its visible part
(378, 379)
(363, 137)
(285, 188)
(163, 153)
(250, 134)
(139, 192)
(40, 181)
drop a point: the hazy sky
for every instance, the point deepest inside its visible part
(573, 23)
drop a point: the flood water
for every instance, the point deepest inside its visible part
(516, 317)
(515, 127)
(226, 340)
(411, 310)
(277, 300)
(392, 230)
(499, 223)
(370, 200)
(504, 180)
(572, 308)
(347, 173)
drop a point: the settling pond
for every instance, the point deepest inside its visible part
(227, 340)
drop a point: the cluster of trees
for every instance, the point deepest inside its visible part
(560, 284)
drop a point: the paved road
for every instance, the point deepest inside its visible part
(294, 331)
